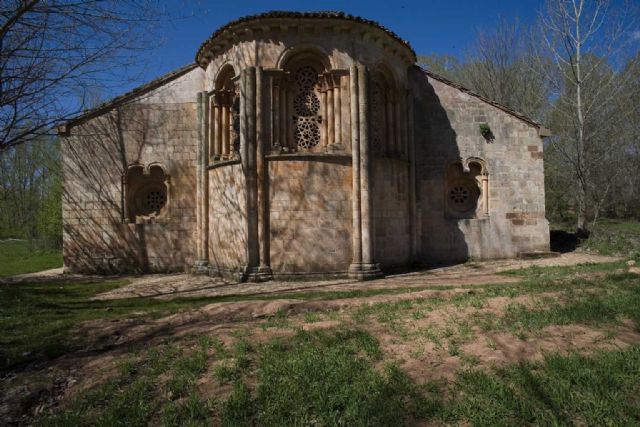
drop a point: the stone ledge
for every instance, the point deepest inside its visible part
(328, 157)
(220, 163)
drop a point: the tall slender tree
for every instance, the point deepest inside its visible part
(587, 41)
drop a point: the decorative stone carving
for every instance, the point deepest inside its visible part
(465, 183)
(306, 105)
(146, 192)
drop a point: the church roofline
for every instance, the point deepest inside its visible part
(542, 131)
(278, 14)
(63, 129)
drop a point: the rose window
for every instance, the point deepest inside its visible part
(306, 105)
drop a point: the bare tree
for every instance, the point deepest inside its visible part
(53, 53)
(587, 41)
(498, 66)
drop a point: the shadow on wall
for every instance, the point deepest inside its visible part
(98, 236)
(310, 215)
(440, 239)
(227, 219)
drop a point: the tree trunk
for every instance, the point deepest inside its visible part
(582, 229)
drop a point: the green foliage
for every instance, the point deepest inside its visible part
(30, 193)
(485, 130)
(49, 217)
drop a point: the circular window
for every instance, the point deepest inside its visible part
(154, 200)
(462, 196)
(151, 200)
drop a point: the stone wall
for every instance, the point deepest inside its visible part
(310, 215)
(160, 126)
(227, 218)
(391, 212)
(446, 128)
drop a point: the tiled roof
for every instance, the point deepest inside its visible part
(300, 15)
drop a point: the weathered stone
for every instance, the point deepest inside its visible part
(288, 152)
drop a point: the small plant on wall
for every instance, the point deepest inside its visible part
(485, 131)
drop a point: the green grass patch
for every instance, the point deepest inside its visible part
(562, 390)
(36, 319)
(20, 257)
(323, 378)
(615, 237)
(139, 396)
(328, 378)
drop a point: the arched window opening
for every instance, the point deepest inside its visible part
(379, 108)
(466, 190)
(387, 119)
(225, 115)
(307, 95)
(147, 193)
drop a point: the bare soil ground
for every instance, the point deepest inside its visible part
(472, 273)
(430, 345)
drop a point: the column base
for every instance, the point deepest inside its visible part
(256, 274)
(201, 266)
(365, 271)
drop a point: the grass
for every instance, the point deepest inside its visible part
(323, 378)
(35, 319)
(615, 237)
(345, 375)
(330, 378)
(342, 376)
(607, 237)
(315, 378)
(18, 257)
(158, 386)
(562, 390)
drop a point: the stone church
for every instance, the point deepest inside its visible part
(300, 144)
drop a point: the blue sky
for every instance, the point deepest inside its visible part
(440, 26)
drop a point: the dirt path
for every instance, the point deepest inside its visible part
(474, 273)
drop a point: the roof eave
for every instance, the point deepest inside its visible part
(543, 132)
